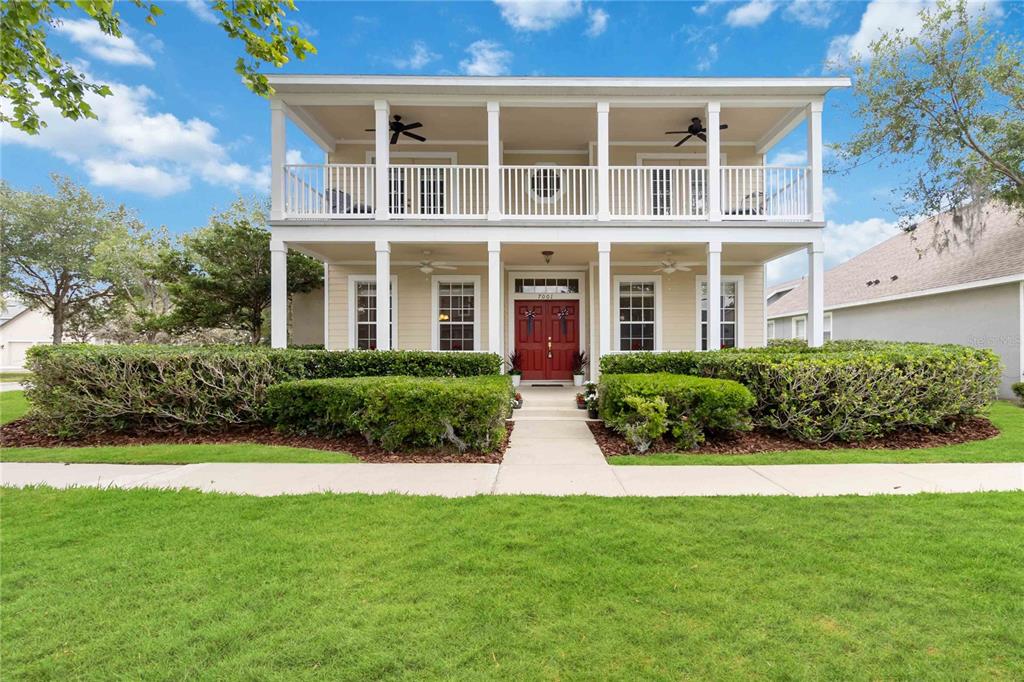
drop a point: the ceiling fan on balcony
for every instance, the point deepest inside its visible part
(669, 265)
(427, 266)
(398, 128)
(695, 129)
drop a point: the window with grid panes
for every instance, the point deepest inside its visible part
(636, 315)
(729, 313)
(365, 314)
(456, 317)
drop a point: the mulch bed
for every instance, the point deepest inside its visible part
(760, 440)
(18, 434)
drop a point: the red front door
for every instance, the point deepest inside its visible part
(547, 335)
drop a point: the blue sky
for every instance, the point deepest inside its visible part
(181, 135)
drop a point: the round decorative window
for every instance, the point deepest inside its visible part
(546, 183)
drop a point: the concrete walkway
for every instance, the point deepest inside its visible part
(551, 453)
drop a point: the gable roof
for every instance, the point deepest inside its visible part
(901, 271)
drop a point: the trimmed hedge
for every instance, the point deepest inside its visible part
(397, 412)
(695, 407)
(845, 390)
(77, 389)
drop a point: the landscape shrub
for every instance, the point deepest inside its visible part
(1018, 390)
(645, 422)
(78, 389)
(397, 412)
(695, 407)
(845, 390)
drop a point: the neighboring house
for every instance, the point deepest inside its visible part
(20, 329)
(543, 215)
(899, 291)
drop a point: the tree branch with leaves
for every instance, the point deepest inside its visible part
(947, 106)
(30, 71)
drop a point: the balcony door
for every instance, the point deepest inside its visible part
(418, 184)
(670, 192)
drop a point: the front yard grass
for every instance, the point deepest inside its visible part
(1008, 446)
(12, 406)
(177, 454)
(143, 584)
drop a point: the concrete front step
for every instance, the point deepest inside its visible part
(549, 413)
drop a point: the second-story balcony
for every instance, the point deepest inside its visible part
(628, 150)
(348, 191)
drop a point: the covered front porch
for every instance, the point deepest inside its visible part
(545, 300)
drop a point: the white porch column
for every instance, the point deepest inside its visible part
(327, 305)
(277, 158)
(494, 298)
(714, 295)
(278, 294)
(604, 296)
(382, 155)
(815, 294)
(383, 295)
(603, 203)
(711, 122)
(814, 158)
(493, 161)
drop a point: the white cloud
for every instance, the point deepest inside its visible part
(708, 57)
(487, 58)
(294, 156)
(132, 147)
(788, 159)
(842, 242)
(754, 13)
(813, 13)
(149, 180)
(87, 34)
(882, 16)
(419, 56)
(538, 15)
(201, 9)
(598, 22)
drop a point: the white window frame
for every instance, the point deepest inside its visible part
(826, 327)
(770, 330)
(738, 279)
(372, 279)
(435, 325)
(616, 300)
(540, 165)
(795, 335)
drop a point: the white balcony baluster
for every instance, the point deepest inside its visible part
(765, 192)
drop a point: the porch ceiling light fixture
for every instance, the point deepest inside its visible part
(547, 256)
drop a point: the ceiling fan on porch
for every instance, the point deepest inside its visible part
(427, 266)
(398, 128)
(695, 129)
(669, 265)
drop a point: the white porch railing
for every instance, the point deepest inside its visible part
(336, 189)
(549, 191)
(765, 193)
(643, 192)
(437, 191)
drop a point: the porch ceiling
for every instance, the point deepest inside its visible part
(530, 255)
(549, 127)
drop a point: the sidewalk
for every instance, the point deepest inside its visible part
(461, 480)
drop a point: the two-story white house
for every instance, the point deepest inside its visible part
(546, 216)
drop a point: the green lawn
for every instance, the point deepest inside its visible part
(12, 405)
(157, 584)
(1008, 446)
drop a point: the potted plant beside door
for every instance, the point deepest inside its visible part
(515, 367)
(579, 367)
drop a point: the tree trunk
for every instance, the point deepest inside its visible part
(58, 324)
(256, 333)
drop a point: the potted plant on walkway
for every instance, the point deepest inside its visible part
(590, 400)
(517, 401)
(581, 401)
(579, 366)
(515, 367)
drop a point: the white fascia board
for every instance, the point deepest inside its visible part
(584, 233)
(512, 83)
(784, 127)
(309, 125)
(557, 99)
(993, 282)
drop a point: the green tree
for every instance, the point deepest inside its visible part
(947, 106)
(52, 250)
(219, 277)
(30, 70)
